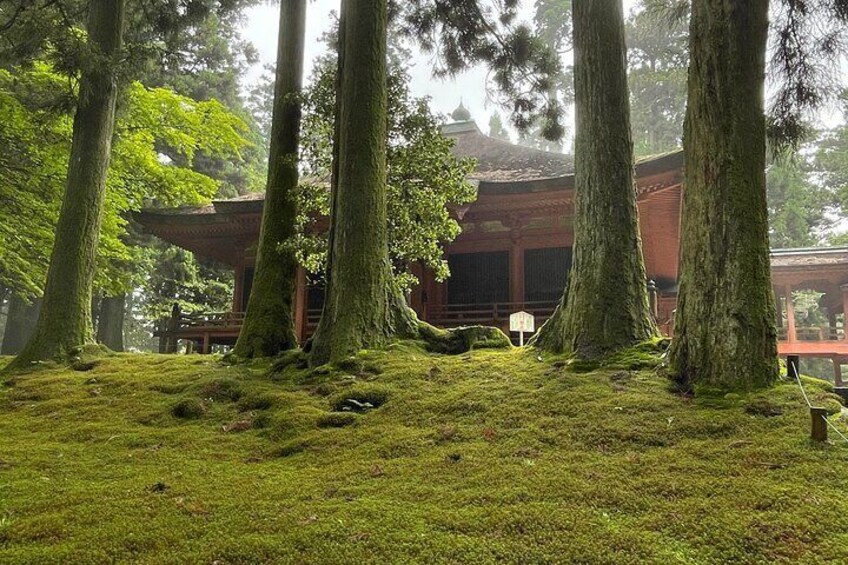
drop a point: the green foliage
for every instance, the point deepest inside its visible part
(424, 178)
(658, 56)
(831, 158)
(798, 200)
(486, 458)
(36, 126)
(177, 277)
(465, 33)
(497, 129)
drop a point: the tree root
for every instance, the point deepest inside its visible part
(463, 339)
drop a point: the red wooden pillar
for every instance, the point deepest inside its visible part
(791, 335)
(300, 305)
(844, 289)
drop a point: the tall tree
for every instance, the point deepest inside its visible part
(20, 322)
(110, 321)
(497, 129)
(269, 322)
(657, 58)
(724, 326)
(605, 306)
(65, 319)
(800, 206)
(364, 306)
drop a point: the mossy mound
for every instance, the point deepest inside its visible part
(647, 355)
(188, 409)
(491, 456)
(463, 339)
(360, 398)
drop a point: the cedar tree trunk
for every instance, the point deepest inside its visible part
(605, 306)
(269, 322)
(724, 332)
(110, 321)
(65, 320)
(20, 322)
(364, 306)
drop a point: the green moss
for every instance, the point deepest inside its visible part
(258, 401)
(220, 390)
(490, 456)
(188, 409)
(336, 420)
(763, 406)
(463, 339)
(645, 355)
(373, 395)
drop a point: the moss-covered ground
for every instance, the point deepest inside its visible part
(492, 456)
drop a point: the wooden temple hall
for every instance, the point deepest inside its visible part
(514, 252)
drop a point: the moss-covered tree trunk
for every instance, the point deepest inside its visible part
(65, 320)
(724, 326)
(606, 304)
(364, 306)
(110, 322)
(269, 321)
(20, 323)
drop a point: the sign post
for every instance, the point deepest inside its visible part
(522, 322)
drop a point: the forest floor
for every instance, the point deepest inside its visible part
(492, 456)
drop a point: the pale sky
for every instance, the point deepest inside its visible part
(261, 26)
(261, 29)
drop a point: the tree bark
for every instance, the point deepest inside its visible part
(20, 322)
(364, 306)
(605, 306)
(269, 321)
(65, 320)
(725, 323)
(110, 322)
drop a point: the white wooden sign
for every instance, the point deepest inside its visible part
(522, 322)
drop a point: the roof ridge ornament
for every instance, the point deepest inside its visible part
(461, 114)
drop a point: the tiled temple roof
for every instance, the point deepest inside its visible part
(809, 257)
(502, 168)
(499, 160)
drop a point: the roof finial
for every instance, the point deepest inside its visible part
(461, 114)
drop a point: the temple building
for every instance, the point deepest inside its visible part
(514, 252)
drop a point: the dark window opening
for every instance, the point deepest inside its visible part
(478, 278)
(546, 273)
(315, 292)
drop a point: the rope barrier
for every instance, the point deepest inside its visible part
(792, 368)
(835, 429)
